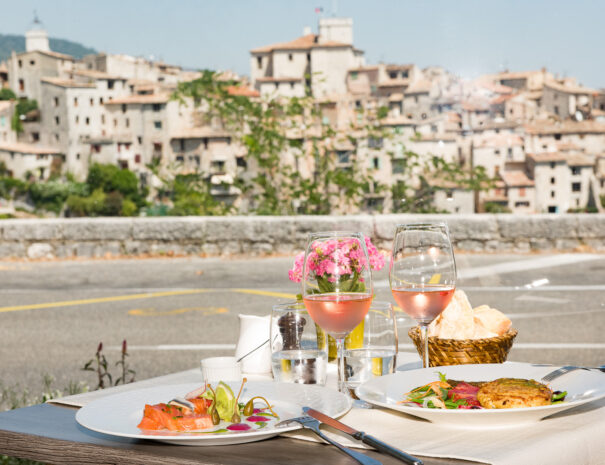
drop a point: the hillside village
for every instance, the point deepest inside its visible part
(540, 137)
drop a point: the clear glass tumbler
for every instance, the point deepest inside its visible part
(371, 350)
(299, 348)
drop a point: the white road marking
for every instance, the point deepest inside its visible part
(554, 288)
(537, 298)
(532, 263)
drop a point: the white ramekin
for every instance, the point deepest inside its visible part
(215, 369)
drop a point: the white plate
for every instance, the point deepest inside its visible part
(582, 386)
(119, 414)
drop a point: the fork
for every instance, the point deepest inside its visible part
(567, 369)
(312, 424)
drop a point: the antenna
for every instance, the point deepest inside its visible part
(36, 19)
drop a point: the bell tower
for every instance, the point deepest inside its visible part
(36, 38)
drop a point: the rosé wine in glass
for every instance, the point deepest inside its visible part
(338, 313)
(422, 273)
(424, 304)
(337, 287)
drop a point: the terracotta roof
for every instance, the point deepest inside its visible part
(66, 82)
(567, 127)
(393, 67)
(92, 73)
(580, 159)
(244, 91)
(547, 157)
(454, 117)
(33, 149)
(302, 43)
(200, 133)
(423, 86)
(50, 53)
(495, 87)
(500, 140)
(475, 106)
(139, 99)
(566, 146)
(516, 178)
(517, 75)
(279, 79)
(500, 99)
(437, 138)
(362, 68)
(569, 88)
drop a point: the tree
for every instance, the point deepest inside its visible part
(23, 107)
(7, 94)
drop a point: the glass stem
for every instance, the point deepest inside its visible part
(342, 384)
(425, 340)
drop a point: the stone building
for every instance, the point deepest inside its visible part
(493, 152)
(317, 62)
(24, 160)
(566, 100)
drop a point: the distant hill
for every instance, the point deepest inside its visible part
(10, 42)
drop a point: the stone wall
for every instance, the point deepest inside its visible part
(256, 235)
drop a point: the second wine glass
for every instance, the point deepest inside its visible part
(337, 285)
(422, 273)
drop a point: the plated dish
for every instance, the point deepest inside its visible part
(120, 414)
(388, 391)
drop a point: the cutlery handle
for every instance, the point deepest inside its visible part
(384, 447)
(361, 458)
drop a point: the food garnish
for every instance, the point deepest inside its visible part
(500, 393)
(205, 408)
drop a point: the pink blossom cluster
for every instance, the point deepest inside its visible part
(336, 257)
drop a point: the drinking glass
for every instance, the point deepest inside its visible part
(373, 352)
(299, 352)
(337, 285)
(422, 273)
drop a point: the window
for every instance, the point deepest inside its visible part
(218, 166)
(115, 122)
(92, 102)
(180, 159)
(20, 64)
(259, 62)
(354, 75)
(110, 83)
(292, 85)
(157, 107)
(241, 162)
(522, 204)
(552, 209)
(139, 140)
(127, 122)
(450, 194)
(398, 166)
(123, 108)
(35, 136)
(575, 170)
(552, 164)
(182, 144)
(404, 74)
(552, 180)
(309, 59)
(376, 163)
(87, 121)
(102, 119)
(77, 119)
(552, 194)
(205, 142)
(393, 75)
(375, 142)
(157, 124)
(77, 156)
(290, 57)
(557, 136)
(157, 146)
(96, 148)
(100, 100)
(510, 153)
(75, 101)
(344, 156)
(57, 120)
(556, 109)
(497, 152)
(576, 186)
(415, 99)
(56, 101)
(196, 159)
(137, 158)
(56, 137)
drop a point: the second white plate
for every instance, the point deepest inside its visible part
(582, 386)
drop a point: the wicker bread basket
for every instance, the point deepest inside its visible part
(462, 352)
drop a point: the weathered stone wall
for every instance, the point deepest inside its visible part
(257, 235)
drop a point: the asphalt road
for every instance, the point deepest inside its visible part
(173, 312)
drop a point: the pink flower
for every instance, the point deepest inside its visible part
(333, 258)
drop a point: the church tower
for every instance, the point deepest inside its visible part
(36, 38)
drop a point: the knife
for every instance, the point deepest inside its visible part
(363, 437)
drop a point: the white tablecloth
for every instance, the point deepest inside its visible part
(575, 436)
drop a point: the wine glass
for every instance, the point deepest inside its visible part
(337, 285)
(422, 273)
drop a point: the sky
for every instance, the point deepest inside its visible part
(467, 37)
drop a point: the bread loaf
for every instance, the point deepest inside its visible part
(491, 319)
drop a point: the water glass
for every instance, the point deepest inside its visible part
(371, 349)
(299, 348)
